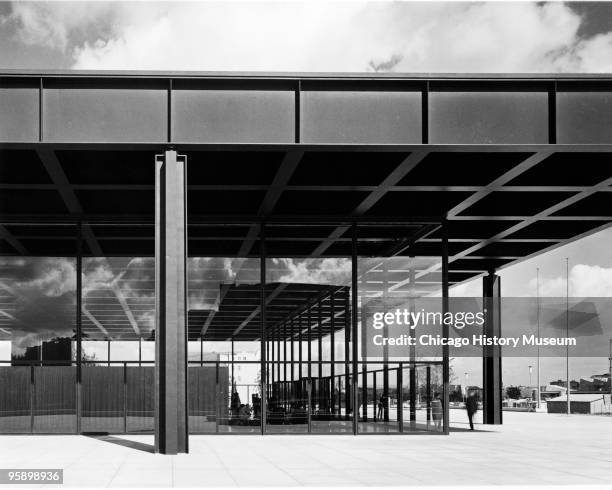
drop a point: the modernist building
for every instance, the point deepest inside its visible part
(198, 253)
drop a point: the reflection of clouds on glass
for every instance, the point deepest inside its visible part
(146, 320)
(335, 271)
(119, 296)
(52, 277)
(207, 275)
(38, 299)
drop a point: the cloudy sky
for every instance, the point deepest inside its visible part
(308, 36)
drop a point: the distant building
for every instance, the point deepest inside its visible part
(574, 385)
(552, 391)
(57, 349)
(580, 403)
(596, 383)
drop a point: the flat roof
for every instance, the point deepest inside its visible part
(296, 75)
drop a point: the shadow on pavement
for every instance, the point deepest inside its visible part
(467, 429)
(140, 446)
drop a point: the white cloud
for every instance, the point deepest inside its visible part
(336, 271)
(316, 36)
(55, 277)
(56, 24)
(584, 281)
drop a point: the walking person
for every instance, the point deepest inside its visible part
(381, 406)
(436, 410)
(471, 405)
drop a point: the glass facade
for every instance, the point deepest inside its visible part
(270, 337)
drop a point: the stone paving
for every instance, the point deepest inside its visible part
(529, 449)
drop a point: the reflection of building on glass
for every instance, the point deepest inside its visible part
(57, 349)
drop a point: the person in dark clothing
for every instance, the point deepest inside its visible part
(381, 406)
(471, 405)
(437, 411)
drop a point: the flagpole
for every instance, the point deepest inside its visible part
(567, 376)
(538, 363)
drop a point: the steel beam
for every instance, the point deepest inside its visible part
(171, 434)
(405, 167)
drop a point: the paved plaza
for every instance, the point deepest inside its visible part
(529, 449)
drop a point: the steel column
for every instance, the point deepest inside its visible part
(79, 326)
(354, 346)
(347, 341)
(491, 360)
(171, 434)
(445, 331)
(262, 305)
(332, 352)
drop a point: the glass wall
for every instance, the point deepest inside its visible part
(82, 360)
(38, 341)
(399, 380)
(308, 339)
(224, 333)
(118, 333)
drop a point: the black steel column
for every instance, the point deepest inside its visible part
(491, 360)
(428, 394)
(445, 332)
(400, 397)
(332, 352)
(354, 327)
(413, 394)
(171, 435)
(413, 355)
(285, 353)
(278, 355)
(300, 328)
(79, 329)
(347, 355)
(364, 371)
(292, 346)
(385, 286)
(309, 346)
(320, 342)
(263, 328)
(272, 357)
(374, 397)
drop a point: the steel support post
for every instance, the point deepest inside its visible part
(263, 331)
(354, 327)
(332, 352)
(347, 342)
(445, 332)
(171, 433)
(491, 355)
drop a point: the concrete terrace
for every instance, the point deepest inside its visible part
(529, 449)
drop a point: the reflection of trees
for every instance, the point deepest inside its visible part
(55, 349)
(513, 392)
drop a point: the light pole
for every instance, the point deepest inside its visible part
(538, 316)
(567, 375)
(530, 370)
(466, 387)
(610, 374)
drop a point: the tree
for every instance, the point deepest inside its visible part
(513, 392)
